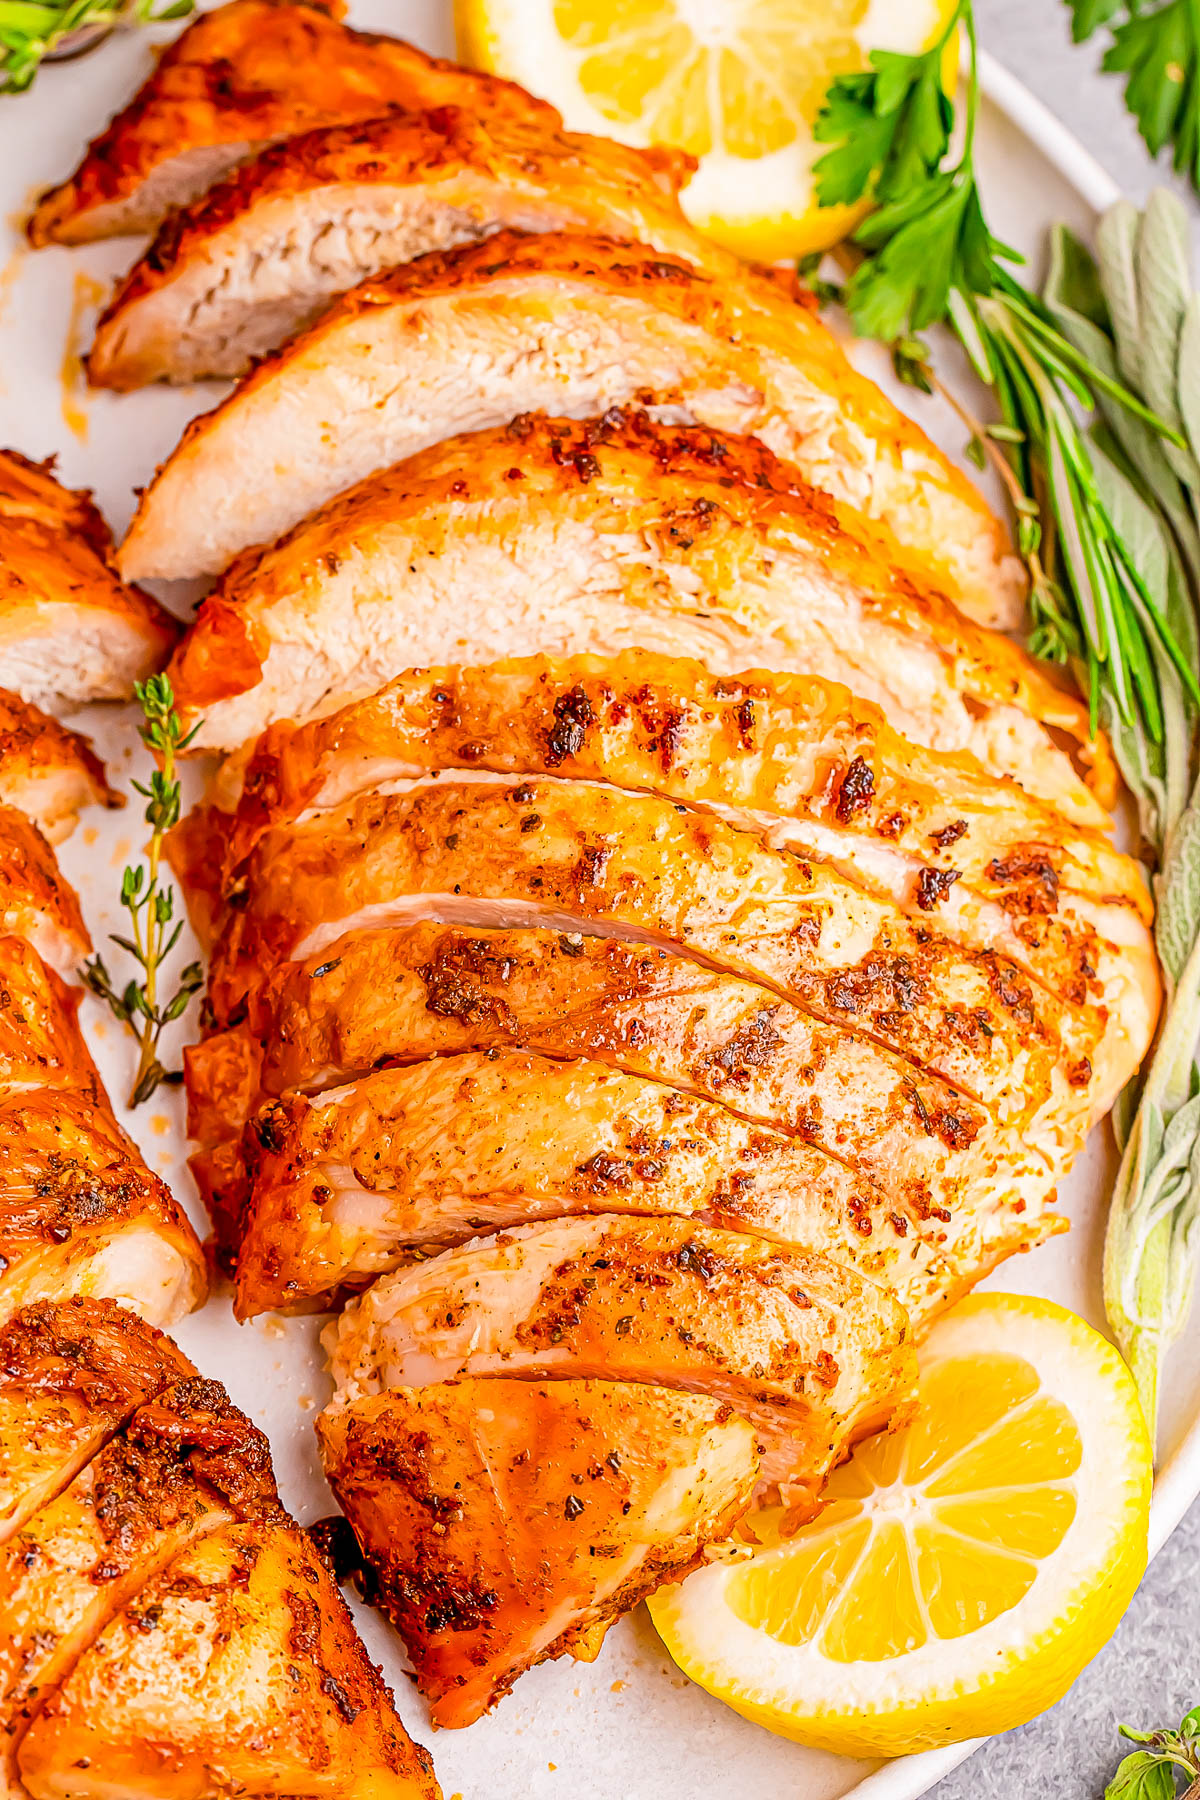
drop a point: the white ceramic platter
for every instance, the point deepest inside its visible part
(628, 1727)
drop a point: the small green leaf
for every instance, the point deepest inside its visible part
(1142, 1776)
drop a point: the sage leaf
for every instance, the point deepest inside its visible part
(1164, 291)
(1178, 920)
(1188, 374)
(1116, 242)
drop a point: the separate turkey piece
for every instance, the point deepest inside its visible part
(70, 629)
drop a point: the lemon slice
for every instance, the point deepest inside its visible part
(738, 83)
(965, 1568)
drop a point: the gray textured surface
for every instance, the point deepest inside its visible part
(1150, 1673)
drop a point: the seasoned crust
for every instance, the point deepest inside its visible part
(243, 75)
(37, 902)
(71, 1372)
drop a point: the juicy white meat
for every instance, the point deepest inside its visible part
(629, 1485)
(71, 1374)
(264, 251)
(466, 341)
(807, 1352)
(240, 76)
(70, 629)
(549, 537)
(351, 1183)
(46, 771)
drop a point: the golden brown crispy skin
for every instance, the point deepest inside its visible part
(46, 771)
(186, 1463)
(235, 1671)
(70, 629)
(350, 201)
(409, 1160)
(71, 1373)
(489, 1560)
(238, 77)
(789, 747)
(681, 540)
(581, 857)
(809, 1353)
(41, 1045)
(81, 1213)
(567, 322)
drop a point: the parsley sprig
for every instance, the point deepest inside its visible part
(1163, 1759)
(1157, 49)
(32, 30)
(926, 256)
(150, 903)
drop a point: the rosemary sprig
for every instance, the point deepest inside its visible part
(150, 903)
(1154, 1770)
(928, 257)
(1097, 384)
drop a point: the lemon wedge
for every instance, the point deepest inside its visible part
(738, 83)
(965, 1567)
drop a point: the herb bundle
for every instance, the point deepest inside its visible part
(151, 904)
(1154, 1770)
(1097, 386)
(1157, 49)
(32, 30)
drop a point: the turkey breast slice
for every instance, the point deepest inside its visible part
(575, 856)
(263, 252)
(71, 1373)
(957, 1194)
(629, 1486)
(46, 771)
(37, 903)
(346, 1185)
(812, 1356)
(551, 537)
(798, 760)
(185, 1464)
(70, 630)
(236, 1670)
(464, 341)
(238, 77)
(80, 1213)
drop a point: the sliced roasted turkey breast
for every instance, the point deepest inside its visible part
(575, 856)
(46, 771)
(351, 1183)
(946, 1194)
(263, 252)
(37, 903)
(629, 1485)
(70, 629)
(71, 1374)
(186, 1463)
(797, 759)
(465, 341)
(237, 1670)
(807, 1352)
(548, 537)
(240, 76)
(41, 1045)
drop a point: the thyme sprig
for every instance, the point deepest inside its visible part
(150, 903)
